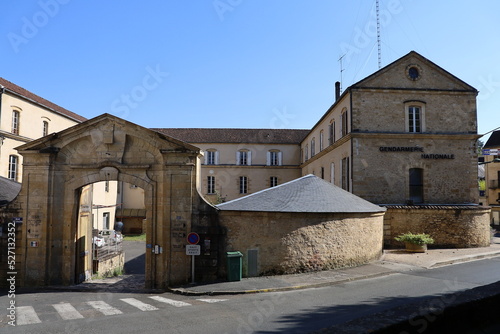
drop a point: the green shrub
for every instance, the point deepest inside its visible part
(417, 239)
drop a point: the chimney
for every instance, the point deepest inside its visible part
(337, 90)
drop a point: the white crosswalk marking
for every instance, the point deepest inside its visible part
(26, 315)
(140, 305)
(67, 311)
(211, 301)
(104, 308)
(172, 302)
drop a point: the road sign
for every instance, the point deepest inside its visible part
(490, 151)
(193, 249)
(193, 238)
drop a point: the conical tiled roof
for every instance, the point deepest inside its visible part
(306, 194)
(8, 190)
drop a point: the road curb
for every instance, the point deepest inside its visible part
(463, 259)
(187, 292)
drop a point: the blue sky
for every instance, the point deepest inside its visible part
(236, 63)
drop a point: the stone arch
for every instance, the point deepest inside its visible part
(103, 149)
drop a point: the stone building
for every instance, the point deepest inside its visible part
(491, 165)
(404, 136)
(238, 162)
(303, 225)
(25, 116)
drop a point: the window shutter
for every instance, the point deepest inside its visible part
(238, 157)
(268, 158)
(249, 158)
(216, 157)
(280, 158)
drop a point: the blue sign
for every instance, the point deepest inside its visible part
(193, 238)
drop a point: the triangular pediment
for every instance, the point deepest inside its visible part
(107, 129)
(108, 140)
(413, 71)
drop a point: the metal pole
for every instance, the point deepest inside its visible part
(192, 269)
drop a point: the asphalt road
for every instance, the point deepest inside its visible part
(281, 312)
(134, 256)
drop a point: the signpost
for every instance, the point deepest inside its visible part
(490, 151)
(193, 249)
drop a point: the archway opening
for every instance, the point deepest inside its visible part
(111, 233)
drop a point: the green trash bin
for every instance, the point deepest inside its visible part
(234, 269)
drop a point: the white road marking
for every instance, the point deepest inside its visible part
(211, 301)
(67, 311)
(104, 308)
(172, 302)
(140, 305)
(26, 315)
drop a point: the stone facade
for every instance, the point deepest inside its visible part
(105, 148)
(300, 242)
(450, 226)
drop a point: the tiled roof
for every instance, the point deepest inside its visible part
(253, 136)
(433, 206)
(493, 141)
(306, 194)
(9, 86)
(8, 190)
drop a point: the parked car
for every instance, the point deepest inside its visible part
(111, 235)
(98, 241)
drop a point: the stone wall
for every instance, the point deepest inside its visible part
(450, 226)
(301, 242)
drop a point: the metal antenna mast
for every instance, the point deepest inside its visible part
(378, 36)
(341, 70)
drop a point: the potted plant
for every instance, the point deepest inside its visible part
(415, 242)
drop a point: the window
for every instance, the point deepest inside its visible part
(332, 173)
(243, 185)
(13, 166)
(414, 116)
(211, 184)
(244, 157)
(345, 174)
(313, 147)
(307, 152)
(331, 132)
(45, 130)
(321, 141)
(273, 181)
(105, 220)
(15, 122)
(274, 158)
(322, 172)
(414, 119)
(417, 185)
(212, 157)
(345, 123)
(106, 186)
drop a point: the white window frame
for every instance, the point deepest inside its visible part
(13, 167)
(332, 173)
(210, 184)
(243, 185)
(321, 140)
(45, 128)
(273, 181)
(244, 158)
(16, 117)
(274, 158)
(212, 157)
(410, 116)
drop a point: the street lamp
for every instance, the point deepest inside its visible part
(489, 162)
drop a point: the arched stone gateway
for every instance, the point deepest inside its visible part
(104, 148)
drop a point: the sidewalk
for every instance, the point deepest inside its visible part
(392, 261)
